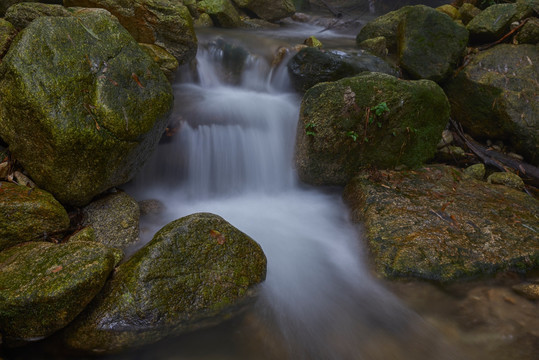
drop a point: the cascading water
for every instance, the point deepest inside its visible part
(233, 156)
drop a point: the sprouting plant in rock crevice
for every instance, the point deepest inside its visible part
(310, 129)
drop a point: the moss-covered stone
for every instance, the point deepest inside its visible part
(336, 135)
(7, 33)
(166, 23)
(203, 21)
(94, 103)
(196, 272)
(506, 178)
(45, 286)
(222, 12)
(450, 11)
(496, 95)
(430, 44)
(311, 66)
(492, 23)
(468, 12)
(28, 214)
(386, 26)
(5, 4)
(312, 41)
(476, 171)
(437, 224)
(529, 33)
(376, 46)
(270, 10)
(22, 14)
(115, 219)
(166, 61)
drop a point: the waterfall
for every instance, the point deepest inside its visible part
(233, 156)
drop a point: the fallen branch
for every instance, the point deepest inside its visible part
(528, 172)
(488, 46)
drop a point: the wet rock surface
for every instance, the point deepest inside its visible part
(437, 224)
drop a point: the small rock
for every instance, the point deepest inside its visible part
(468, 12)
(447, 139)
(203, 21)
(515, 156)
(529, 33)
(529, 291)
(311, 41)
(449, 10)
(507, 179)
(476, 171)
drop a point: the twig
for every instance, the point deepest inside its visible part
(488, 46)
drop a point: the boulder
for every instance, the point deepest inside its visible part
(115, 220)
(438, 224)
(94, 103)
(467, 12)
(369, 120)
(311, 66)
(529, 33)
(450, 11)
(5, 4)
(29, 214)
(492, 23)
(270, 10)
(166, 61)
(222, 12)
(430, 44)
(196, 272)
(22, 14)
(507, 179)
(166, 23)
(7, 34)
(496, 95)
(376, 46)
(45, 286)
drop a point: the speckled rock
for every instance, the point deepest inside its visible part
(115, 219)
(28, 214)
(45, 286)
(339, 131)
(196, 272)
(438, 224)
(93, 113)
(166, 23)
(507, 179)
(492, 23)
(7, 33)
(22, 14)
(476, 171)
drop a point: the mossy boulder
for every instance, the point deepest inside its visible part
(166, 23)
(270, 10)
(430, 44)
(197, 271)
(339, 131)
(5, 4)
(496, 95)
(492, 23)
(114, 218)
(376, 46)
(467, 12)
(166, 61)
(507, 179)
(222, 12)
(7, 33)
(438, 224)
(29, 214)
(529, 33)
(45, 286)
(450, 11)
(22, 14)
(311, 66)
(94, 104)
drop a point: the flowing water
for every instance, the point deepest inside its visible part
(233, 156)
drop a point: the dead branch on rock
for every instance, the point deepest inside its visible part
(488, 46)
(491, 157)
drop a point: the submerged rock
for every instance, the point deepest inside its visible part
(45, 286)
(438, 224)
(28, 214)
(115, 220)
(94, 103)
(496, 95)
(371, 119)
(311, 66)
(196, 272)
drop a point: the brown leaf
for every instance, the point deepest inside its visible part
(56, 269)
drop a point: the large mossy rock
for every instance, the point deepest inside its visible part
(270, 10)
(94, 104)
(222, 12)
(22, 14)
(166, 23)
(7, 34)
(45, 286)
(339, 131)
(496, 95)
(311, 66)
(438, 224)
(196, 272)
(492, 23)
(28, 214)
(115, 220)
(430, 43)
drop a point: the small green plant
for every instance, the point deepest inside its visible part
(310, 129)
(378, 111)
(353, 135)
